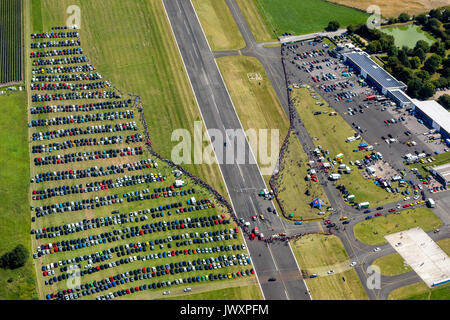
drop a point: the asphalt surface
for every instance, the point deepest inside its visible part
(243, 180)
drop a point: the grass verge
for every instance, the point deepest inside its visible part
(318, 254)
(392, 265)
(420, 291)
(292, 186)
(257, 106)
(220, 28)
(255, 21)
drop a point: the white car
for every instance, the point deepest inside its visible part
(353, 264)
(330, 272)
(376, 249)
(166, 293)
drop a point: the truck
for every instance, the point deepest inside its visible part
(431, 203)
(334, 176)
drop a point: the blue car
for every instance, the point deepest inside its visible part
(368, 211)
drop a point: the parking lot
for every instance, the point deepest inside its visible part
(389, 129)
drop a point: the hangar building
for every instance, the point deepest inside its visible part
(372, 72)
(442, 173)
(434, 115)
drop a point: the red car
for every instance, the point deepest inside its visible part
(392, 210)
(406, 205)
(327, 222)
(254, 218)
(378, 214)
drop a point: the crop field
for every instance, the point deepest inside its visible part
(131, 44)
(14, 207)
(112, 220)
(390, 8)
(292, 186)
(256, 103)
(218, 24)
(314, 15)
(372, 231)
(11, 41)
(317, 254)
(324, 130)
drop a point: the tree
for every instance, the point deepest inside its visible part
(444, 101)
(422, 44)
(351, 29)
(333, 25)
(404, 17)
(435, 13)
(423, 75)
(374, 46)
(392, 51)
(433, 24)
(15, 258)
(403, 57)
(420, 54)
(415, 62)
(447, 44)
(432, 63)
(422, 19)
(414, 86)
(427, 90)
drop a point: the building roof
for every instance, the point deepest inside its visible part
(401, 96)
(377, 73)
(433, 110)
(443, 170)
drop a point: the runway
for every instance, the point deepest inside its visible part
(218, 113)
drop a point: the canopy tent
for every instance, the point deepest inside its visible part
(317, 203)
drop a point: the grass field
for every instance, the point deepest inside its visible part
(331, 133)
(292, 184)
(372, 231)
(392, 265)
(131, 44)
(218, 24)
(445, 245)
(255, 21)
(420, 291)
(14, 207)
(303, 17)
(256, 104)
(393, 9)
(318, 254)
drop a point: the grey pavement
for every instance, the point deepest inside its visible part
(218, 113)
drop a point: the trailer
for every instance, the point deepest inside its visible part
(363, 205)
